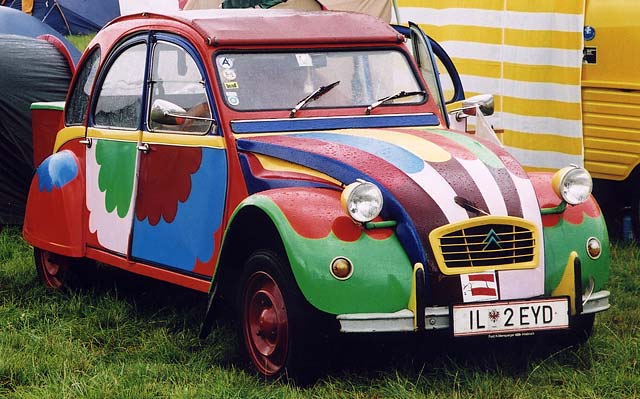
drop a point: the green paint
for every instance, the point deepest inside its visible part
(556, 209)
(381, 281)
(483, 153)
(380, 225)
(50, 105)
(561, 239)
(117, 160)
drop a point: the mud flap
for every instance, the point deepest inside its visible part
(417, 297)
(571, 283)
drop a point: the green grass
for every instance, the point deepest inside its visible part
(80, 41)
(130, 337)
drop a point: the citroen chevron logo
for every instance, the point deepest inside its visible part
(491, 241)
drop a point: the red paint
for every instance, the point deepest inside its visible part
(169, 276)
(482, 277)
(207, 268)
(345, 229)
(483, 291)
(49, 225)
(261, 173)
(164, 181)
(547, 198)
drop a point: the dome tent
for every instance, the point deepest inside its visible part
(31, 70)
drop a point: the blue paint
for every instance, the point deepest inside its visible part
(352, 122)
(57, 170)
(256, 184)
(394, 154)
(405, 231)
(190, 235)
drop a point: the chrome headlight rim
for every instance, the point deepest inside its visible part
(362, 201)
(573, 184)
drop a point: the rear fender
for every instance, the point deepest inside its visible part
(53, 217)
(311, 228)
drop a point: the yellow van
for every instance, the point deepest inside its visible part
(611, 104)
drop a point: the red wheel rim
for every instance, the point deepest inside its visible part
(51, 270)
(265, 324)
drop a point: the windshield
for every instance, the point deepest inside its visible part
(270, 81)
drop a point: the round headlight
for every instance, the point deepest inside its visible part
(362, 201)
(573, 184)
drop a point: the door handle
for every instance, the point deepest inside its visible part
(86, 141)
(143, 148)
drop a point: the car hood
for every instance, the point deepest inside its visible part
(421, 171)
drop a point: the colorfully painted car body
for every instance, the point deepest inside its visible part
(190, 207)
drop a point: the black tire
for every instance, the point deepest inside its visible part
(279, 329)
(62, 273)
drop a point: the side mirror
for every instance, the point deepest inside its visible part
(482, 101)
(167, 113)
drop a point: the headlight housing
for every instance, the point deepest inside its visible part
(362, 201)
(573, 184)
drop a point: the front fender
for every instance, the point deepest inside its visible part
(314, 230)
(568, 231)
(53, 216)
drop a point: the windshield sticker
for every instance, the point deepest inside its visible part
(229, 74)
(232, 98)
(225, 62)
(304, 60)
(231, 85)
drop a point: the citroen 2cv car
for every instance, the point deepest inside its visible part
(301, 166)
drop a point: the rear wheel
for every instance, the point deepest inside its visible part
(279, 328)
(60, 272)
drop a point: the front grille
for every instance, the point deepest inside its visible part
(474, 246)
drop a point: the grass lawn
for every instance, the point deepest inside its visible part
(130, 337)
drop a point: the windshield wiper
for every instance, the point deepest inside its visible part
(312, 97)
(400, 94)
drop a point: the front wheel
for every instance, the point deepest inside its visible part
(278, 326)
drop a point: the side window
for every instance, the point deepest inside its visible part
(120, 102)
(76, 108)
(178, 85)
(423, 55)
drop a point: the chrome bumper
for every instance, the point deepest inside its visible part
(436, 317)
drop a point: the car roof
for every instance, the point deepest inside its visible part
(221, 27)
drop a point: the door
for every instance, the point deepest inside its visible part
(181, 187)
(112, 137)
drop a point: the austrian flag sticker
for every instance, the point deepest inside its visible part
(478, 287)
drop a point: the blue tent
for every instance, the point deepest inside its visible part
(73, 17)
(13, 22)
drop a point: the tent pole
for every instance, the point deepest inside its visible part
(64, 18)
(396, 11)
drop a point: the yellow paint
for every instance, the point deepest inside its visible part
(412, 306)
(441, 4)
(543, 142)
(438, 233)
(67, 134)
(114, 134)
(278, 165)
(567, 285)
(611, 129)
(190, 140)
(422, 148)
(510, 37)
(541, 108)
(520, 72)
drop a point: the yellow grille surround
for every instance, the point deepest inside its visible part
(485, 243)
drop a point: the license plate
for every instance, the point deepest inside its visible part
(512, 317)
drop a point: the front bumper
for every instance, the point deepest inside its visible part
(436, 317)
